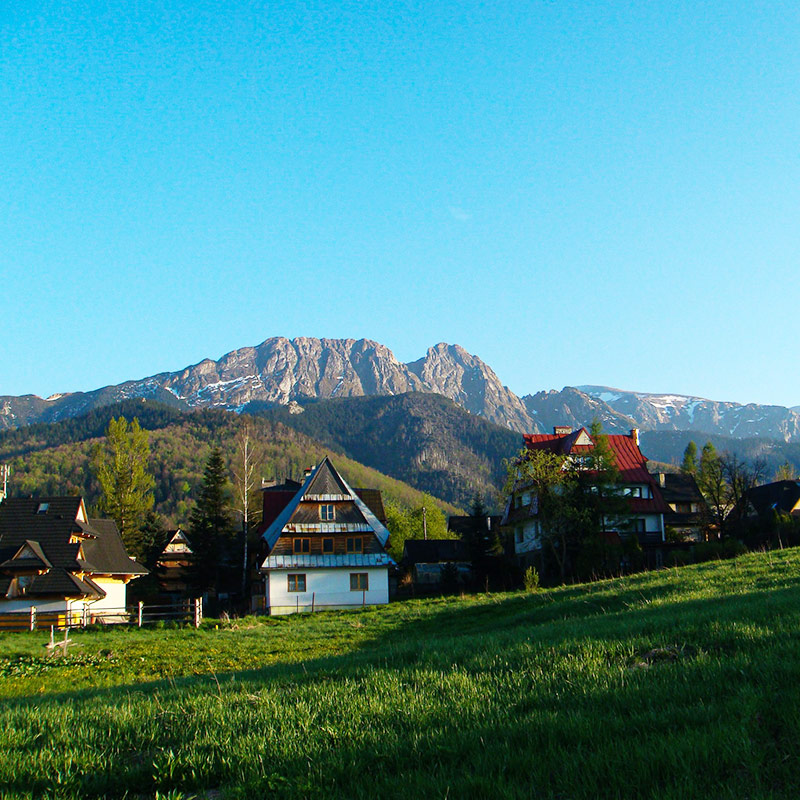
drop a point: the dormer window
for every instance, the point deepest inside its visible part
(42, 509)
(327, 512)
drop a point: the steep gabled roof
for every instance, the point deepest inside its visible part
(326, 484)
(35, 534)
(106, 554)
(29, 557)
(777, 496)
(322, 484)
(630, 461)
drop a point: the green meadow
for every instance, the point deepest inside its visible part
(673, 684)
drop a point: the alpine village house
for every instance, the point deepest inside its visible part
(323, 546)
(56, 559)
(646, 506)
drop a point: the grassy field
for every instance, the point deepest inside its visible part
(676, 684)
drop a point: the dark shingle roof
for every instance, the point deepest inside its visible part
(326, 481)
(777, 496)
(678, 487)
(36, 560)
(106, 553)
(431, 551)
(47, 533)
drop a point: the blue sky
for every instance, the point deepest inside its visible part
(576, 192)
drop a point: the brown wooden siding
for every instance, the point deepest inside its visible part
(283, 547)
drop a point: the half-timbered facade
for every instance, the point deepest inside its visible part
(326, 548)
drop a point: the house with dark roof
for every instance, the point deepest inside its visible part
(646, 506)
(323, 545)
(53, 557)
(174, 566)
(427, 560)
(687, 512)
(782, 497)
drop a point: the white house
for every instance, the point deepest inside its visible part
(326, 548)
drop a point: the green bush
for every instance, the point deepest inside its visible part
(530, 579)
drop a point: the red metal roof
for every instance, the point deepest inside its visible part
(631, 463)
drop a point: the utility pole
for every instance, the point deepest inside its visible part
(424, 522)
(5, 471)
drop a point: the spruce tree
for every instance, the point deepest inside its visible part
(211, 530)
(689, 463)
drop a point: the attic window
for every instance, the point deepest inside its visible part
(326, 512)
(42, 509)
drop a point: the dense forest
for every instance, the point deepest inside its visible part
(52, 459)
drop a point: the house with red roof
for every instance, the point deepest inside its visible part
(646, 506)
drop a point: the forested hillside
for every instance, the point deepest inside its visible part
(55, 458)
(668, 447)
(425, 440)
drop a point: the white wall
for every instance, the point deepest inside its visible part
(116, 594)
(329, 588)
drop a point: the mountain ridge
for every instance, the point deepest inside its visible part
(283, 371)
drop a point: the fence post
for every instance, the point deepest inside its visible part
(141, 609)
(198, 611)
(85, 616)
(33, 618)
(363, 597)
(313, 594)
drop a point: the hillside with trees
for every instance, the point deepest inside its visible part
(425, 440)
(56, 458)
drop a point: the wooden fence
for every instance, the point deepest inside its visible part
(190, 612)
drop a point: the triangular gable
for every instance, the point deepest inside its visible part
(583, 438)
(327, 484)
(330, 479)
(179, 543)
(29, 556)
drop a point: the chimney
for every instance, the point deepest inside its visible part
(307, 471)
(635, 436)
(662, 479)
(562, 430)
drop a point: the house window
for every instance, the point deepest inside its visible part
(327, 545)
(301, 546)
(639, 526)
(359, 582)
(632, 491)
(355, 544)
(42, 509)
(297, 582)
(327, 512)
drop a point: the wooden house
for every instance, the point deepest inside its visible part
(53, 557)
(325, 547)
(174, 566)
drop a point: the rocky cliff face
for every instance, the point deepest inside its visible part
(451, 371)
(281, 371)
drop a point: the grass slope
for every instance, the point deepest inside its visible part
(672, 684)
